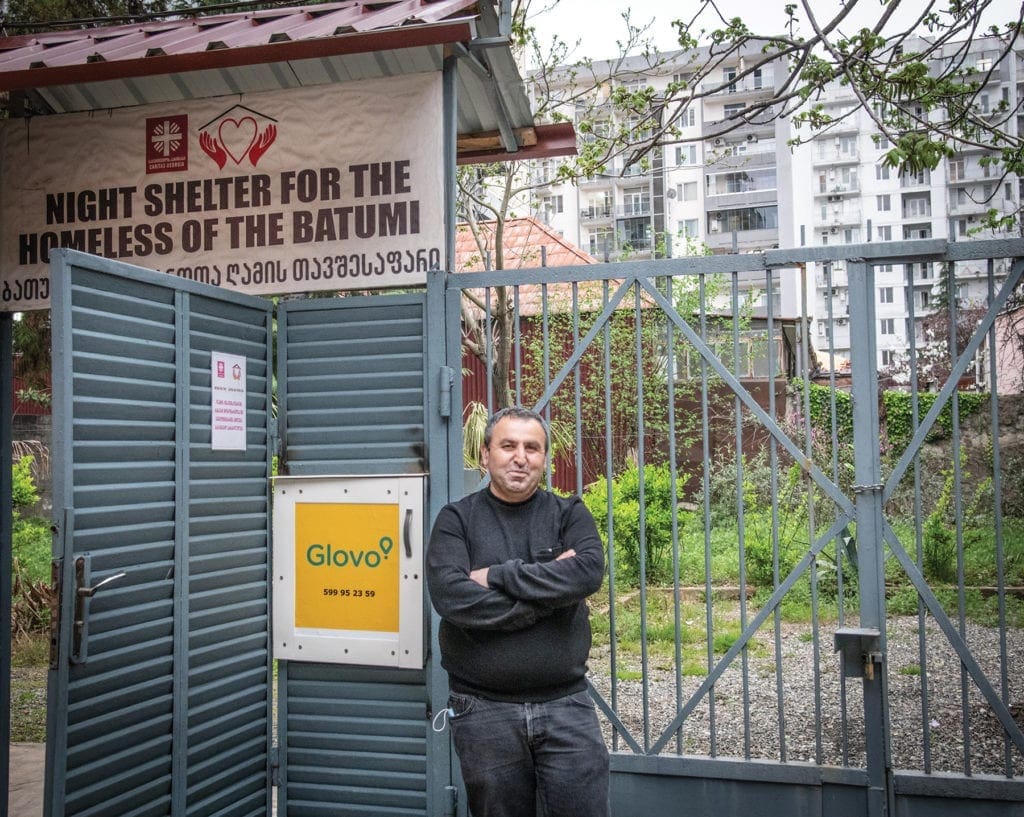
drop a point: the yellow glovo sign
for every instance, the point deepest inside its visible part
(346, 566)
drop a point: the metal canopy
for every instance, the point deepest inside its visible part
(165, 60)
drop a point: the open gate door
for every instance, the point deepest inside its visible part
(160, 680)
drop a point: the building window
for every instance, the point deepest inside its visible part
(733, 109)
(851, 235)
(923, 299)
(689, 227)
(601, 242)
(884, 203)
(917, 206)
(956, 170)
(882, 171)
(888, 357)
(551, 205)
(888, 326)
(686, 154)
(885, 233)
(885, 295)
(636, 201)
(747, 218)
(689, 191)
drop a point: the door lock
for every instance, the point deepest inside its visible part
(83, 592)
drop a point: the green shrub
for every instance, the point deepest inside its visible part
(658, 510)
(23, 487)
(32, 546)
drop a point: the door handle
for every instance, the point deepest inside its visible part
(407, 533)
(83, 592)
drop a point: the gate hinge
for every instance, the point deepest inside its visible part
(446, 381)
(451, 801)
(56, 601)
(275, 766)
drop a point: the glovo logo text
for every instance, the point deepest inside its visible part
(330, 556)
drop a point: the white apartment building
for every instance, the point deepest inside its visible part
(741, 188)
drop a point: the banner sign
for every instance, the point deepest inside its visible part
(348, 570)
(321, 188)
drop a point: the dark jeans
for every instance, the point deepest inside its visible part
(520, 760)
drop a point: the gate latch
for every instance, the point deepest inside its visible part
(83, 592)
(861, 650)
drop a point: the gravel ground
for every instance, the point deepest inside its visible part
(841, 739)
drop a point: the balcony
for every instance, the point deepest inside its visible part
(835, 156)
(970, 207)
(917, 212)
(632, 210)
(968, 175)
(745, 240)
(750, 160)
(917, 180)
(843, 217)
(746, 198)
(735, 129)
(833, 188)
(836, 280)
(749, 86)
(596, 214)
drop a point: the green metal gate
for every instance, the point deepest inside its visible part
(160, 681)
(162, 674)
(684, 385)
(160, 694)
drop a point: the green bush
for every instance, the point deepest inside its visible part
(23, 488)
(658, 510)
(32, 546)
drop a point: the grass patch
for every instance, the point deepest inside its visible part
(30, 659)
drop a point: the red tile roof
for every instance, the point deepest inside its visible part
(523, 240)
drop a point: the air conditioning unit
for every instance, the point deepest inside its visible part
(751, 137)
(719, 140)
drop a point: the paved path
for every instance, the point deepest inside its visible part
(25, 797)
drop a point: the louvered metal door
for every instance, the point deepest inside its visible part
(351, 390)
(160, 687)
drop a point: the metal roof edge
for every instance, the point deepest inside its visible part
(558, 139)
(355, 43)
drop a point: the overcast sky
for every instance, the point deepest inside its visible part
(599, 26)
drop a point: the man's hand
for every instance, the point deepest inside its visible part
(480, 576)
(565, 554)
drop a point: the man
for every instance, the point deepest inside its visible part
(509, 568)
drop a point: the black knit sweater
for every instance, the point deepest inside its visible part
(527, 636)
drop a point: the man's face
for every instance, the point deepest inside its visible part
(515, 458)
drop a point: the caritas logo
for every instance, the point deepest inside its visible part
(239, 134)
(167, 144)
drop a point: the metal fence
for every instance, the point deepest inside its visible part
(807, 563)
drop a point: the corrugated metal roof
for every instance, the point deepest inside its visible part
(166, 60)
